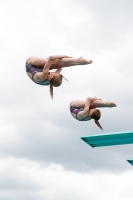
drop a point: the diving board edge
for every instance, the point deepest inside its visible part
(130, 161)
(109, 139)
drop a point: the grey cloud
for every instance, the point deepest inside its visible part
(41, 130)
(59, 142)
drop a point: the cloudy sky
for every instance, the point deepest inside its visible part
(41, 153)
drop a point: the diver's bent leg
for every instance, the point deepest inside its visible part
(35, 61)
(68, 62)
(77, 104)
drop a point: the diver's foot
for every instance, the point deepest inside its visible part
(111, 104)
(83, 61)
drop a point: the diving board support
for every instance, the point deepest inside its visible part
(130, 161)
(109, 139)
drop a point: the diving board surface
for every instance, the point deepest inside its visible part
(130, 161)
(108, 139)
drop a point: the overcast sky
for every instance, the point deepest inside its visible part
(41, 153)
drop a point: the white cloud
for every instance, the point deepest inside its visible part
(54, 182)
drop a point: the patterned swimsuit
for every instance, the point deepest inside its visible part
(76, 111)
(32, 70)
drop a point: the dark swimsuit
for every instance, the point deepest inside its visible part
(33, 70)
(76, 111)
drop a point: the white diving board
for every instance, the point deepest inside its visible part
(108, 139)
(130, 161)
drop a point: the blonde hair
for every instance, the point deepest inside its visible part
(96, 116)
(98, 124)
(56, 81)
